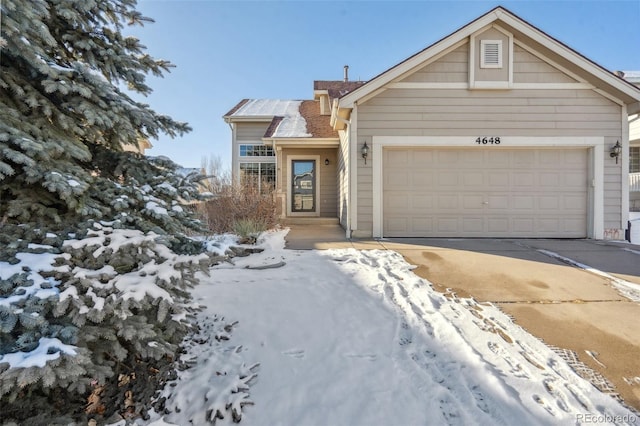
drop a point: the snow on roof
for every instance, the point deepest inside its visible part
(292, 127)
(288, 120)
(631, 76)
(268, 107)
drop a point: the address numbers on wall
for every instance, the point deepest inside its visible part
(488, 140)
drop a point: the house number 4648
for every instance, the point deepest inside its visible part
(493, 140)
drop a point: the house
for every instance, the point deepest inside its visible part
(633, 77)
(140, 147)
(497, 130)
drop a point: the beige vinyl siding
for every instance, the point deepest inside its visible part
(250, 132)
(531, 69)
(451, 68)
(328, 202)
(460, 112)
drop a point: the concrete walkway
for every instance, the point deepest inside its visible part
(533, 281)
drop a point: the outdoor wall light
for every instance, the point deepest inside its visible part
(616, 150)
(326, 161)
(365, 152)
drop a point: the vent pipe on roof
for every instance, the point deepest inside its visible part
(346, 73)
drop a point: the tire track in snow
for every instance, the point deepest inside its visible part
(475, 356)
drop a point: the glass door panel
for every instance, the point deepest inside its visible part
(303, 185)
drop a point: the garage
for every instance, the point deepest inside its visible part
(485, 192)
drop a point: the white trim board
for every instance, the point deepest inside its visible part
(596, 143)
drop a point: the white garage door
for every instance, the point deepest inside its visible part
(485, 192)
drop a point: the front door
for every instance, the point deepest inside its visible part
(303, 186)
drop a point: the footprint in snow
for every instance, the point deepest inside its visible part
(561, 398)
(368, 357)
(295, 353)
(544, 404)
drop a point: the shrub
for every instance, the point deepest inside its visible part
(242, 210)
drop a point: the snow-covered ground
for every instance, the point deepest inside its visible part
(346, 337)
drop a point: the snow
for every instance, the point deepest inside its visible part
(269, 107)
(33, 264)
(293, 125)
(156, 208)
(48, 349)
(347, 337)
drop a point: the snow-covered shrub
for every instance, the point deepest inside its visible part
(74, 318)
(95, 262)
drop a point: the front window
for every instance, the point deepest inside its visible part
(634, 159)
(256, 151)
(261, 175)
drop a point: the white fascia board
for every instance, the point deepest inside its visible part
(249, 118)
(304, 143)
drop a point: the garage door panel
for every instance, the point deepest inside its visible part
(523, 226)
(399, 202)
(522, 180)
(447, 225)
(425, 158)
(397, 158)
(421, 202)
(397, 225)
(498, 202)
(448, 202)
(523, 202)
(448, 179)
(472, 202)
(473, 225)
(422, 225)
(397, 180)
(549, 202)
(549, 179)
(472, 179)
(494, 192)
(498, 179)
(573, 204)
(498, 225)
(422, 178)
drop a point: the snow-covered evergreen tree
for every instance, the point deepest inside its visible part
(95, 264)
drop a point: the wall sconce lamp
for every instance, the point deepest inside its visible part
(616, 150)
(365, 152)
(326, 161)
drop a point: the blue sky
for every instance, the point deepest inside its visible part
(225, 51)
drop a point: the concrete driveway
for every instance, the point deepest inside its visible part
(581, 312)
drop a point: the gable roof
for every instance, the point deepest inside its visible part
(622, 89)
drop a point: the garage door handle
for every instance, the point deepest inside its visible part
(485, 202)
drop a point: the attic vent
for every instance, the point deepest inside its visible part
(491, 54)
